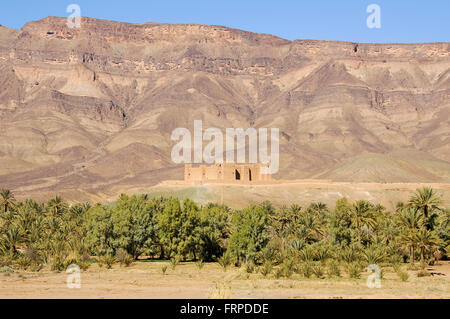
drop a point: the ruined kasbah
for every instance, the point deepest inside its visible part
(230, 173)
(226, 173)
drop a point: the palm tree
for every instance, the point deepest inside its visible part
(56, 206)
(295, 209)
(313, 226)
(426, 240)
(399, 206)
(379, 209)
(12, 239)
(318, 208)
(7, 199)
(294, 212)
(426, 200)
(410, 220)
(409, 239)
(77, 210)
(362, 216)
(280, 220)
(374, 254)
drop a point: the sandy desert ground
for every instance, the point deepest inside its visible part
(144, 279)
(290, 192)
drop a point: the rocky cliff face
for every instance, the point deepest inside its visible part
(91, 110)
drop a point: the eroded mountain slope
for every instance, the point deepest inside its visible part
(89, 110)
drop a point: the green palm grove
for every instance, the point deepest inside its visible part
(353, 234)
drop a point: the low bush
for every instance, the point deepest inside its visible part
(225, 261)
(124, 258)
(174, 261)
(266, 268)
(250, 267)
(164, 269)
(57, 264)
(6, 270)
(423, 273)
(306, 269)
(333, 269)
(354, 270)
(107, 260)
(317, 270)
(279, 272)
(23, 262)
(402, 275)
(200, 264)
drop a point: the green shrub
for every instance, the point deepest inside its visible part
(394, 259)
(266, 268)
(77, 259)
(268, 253)
(174, 262)
(322, 253)
(124, 258)
(36, 267)
(402, 275)
(288, 267)
(84, 265)
(333, 269)
(250, 267)
(163, 269)
(306, 269)
(5, 260)
(317, 270)
(23, 262)
(70, 261)
(373, 255)
(57, 264)
(279, 272)
(107, 260)
(354, 270)
(350, 254)
(6, 270)
(200, 264)
(307, 254)
(34, 256)
(225, 261)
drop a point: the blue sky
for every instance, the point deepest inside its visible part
(401, 20)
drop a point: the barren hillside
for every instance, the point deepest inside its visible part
(86, 112)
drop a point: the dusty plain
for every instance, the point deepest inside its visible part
(144, 279)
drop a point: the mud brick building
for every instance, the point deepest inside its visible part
(226, 173)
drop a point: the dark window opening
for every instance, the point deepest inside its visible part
(238, 175)
(250, 175)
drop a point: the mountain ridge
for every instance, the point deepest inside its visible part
(72, 99)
